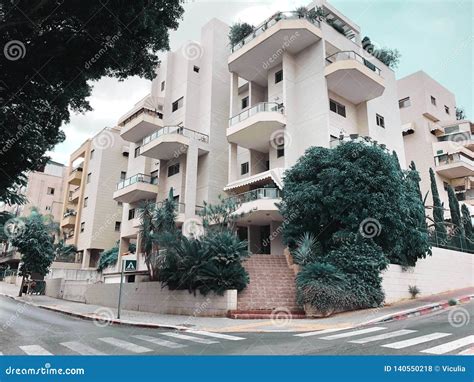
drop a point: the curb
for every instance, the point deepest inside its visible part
(420, 311)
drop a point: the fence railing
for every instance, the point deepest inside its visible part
(139, 113)
(351, 55)
(260, 107)
(444, 159)
(259, 193)
(453, 242)
(137, 178)
(176, 130)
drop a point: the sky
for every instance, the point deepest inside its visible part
(434, 36)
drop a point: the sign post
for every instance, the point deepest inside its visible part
(127, 266)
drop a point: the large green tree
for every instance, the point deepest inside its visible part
(468, 230)
(438, 212)
(459, 236)
(53, 52)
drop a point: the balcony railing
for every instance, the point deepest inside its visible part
(138, 178)
(176, 130)
(453, 158)
(69, 213)
(260, 107)
(351, 55)
(270, 22)
(259, 193)
(140, 112)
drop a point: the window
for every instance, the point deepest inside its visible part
(380, 120)
(92, 154)
(178, 104)
(82, 226)
(405, 102)
(245, 102)
(333, 141)
(123, 175)
(279, 76)
(446, 109)
(86, 200)
(120, 204)
(280, 150)
(162, 85)
(173, 169)
(338, 108)
(48, 208)
(196, 68)
(154, 177)
(131, 214)
(117, 226)
(89, 177)
(136, 152)
(244, 168)
(50, 191)
(433, 100)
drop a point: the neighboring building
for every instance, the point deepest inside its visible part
(297, 83)
(43, 191)
(91, 219)
(177, 135)
(435, 139)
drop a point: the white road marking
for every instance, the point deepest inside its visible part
(158, 341)
(190, 338)
(125, 345)
(450, 346)
(353, 333)
(81, 348)
(216, 335)
(469, 351)
(383, 336)
(416, 340)
(35, 350)
(324, 331)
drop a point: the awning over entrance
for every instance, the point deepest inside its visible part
(275, 174)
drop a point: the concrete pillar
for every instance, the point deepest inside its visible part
(234, 94)
(191, 181)
(86, 259)
(233, 164)
(257, 162)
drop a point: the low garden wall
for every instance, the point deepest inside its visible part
(445, 270)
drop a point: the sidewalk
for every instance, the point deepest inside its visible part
(281, 323)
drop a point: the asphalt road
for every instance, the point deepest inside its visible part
(29, 330)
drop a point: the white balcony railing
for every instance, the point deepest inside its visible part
(176, 130)
(137, 178)
(351, 55)
(258, 108)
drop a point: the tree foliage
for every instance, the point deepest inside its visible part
(54, 50)
(238, 32)
(390, 57)
(458, 226)
(438, 211)
(460, 113)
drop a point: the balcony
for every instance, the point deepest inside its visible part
(354, 78)
(455, 165)
(258, 206)
(253, 128)
(137, 187)
(283, 31)
(140, 124)
(75, 176)
(172, 141)
(10, 256)
(69, 219)
(74, 198)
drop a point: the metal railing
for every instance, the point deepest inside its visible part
(76, 169)
(152, 113)
(258, 108)
(259, 193)
(444, 159)
(176, 130)
(137, 178)
(351, 55)
(69, 213)
(292, 15)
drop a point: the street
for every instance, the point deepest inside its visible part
(29, 330)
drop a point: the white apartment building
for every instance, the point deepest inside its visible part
(434, 139)
(297, 83)
(177, 136)
(91, 219)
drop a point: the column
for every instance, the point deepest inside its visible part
(191, 181)
(233, 174)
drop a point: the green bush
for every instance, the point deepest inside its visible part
(108, 258)
(238, 32)
(452, 302)
(413, 290)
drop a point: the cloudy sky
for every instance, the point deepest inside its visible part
(435, 36)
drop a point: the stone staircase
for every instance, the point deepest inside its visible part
(271, 289)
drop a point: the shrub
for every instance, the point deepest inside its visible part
(452, 302)
(414, 291)
(108, 258)
(238, 32)
(306, 250)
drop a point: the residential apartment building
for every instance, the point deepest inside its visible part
(434, 139)
(43, 191)
(91, 218)
(297, 83)
(177, 135)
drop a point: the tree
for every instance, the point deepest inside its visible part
(63, 251)
(468, 229)
(220, 216)
(36, 245)
(438, 212)
(460, 113)
(390, 57)
(54, 51)
(238, 32)
(459, 236)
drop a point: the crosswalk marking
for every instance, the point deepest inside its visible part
(159, 341)
(216, 335)
(383, 336)
(416, 340)
(469, 351)
(324, 331)
(35, 350)
(125, 345)
(353, 333)
(81, 348)
(190, 338)
(450, 346)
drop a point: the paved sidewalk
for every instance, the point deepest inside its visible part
(221, 324)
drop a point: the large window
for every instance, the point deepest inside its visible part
(123, 175)
(178, 104)
(245, 102)
(279, 76)
(117, 226)
(173, 169)
(380, 120)
(244, 168)
(405, 102)
(337, 107)
(131, 214)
